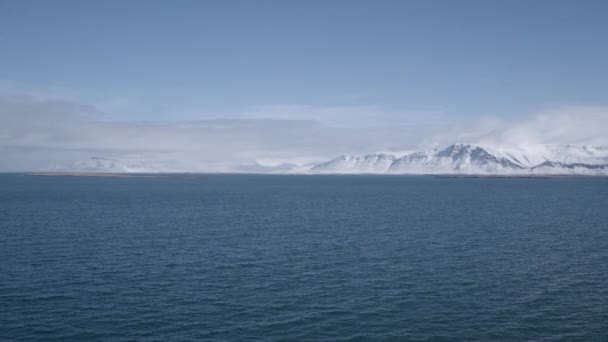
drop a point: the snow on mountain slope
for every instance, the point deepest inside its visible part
(475, 159)
(533, 155)
(459, 158)
(550, 167)
(453, 159)
(371, 163)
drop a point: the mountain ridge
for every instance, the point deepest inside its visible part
(454, 159)
(464, 158)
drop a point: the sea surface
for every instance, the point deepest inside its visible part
(303, 258)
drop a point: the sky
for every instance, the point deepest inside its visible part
(217, 84)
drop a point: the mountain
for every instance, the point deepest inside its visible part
(371, 163)
(550, 167)
(476, 159)
(453, 159)
(457, 158)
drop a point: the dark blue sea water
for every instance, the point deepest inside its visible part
(303, 258)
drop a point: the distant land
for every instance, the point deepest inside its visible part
(468, 159)
(118, 175)
(456, 159)
(204, 175)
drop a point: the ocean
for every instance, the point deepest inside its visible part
(303, 258)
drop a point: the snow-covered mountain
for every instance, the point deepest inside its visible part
(371, 163)
(453, 159)
(458, 158)
(476, 159)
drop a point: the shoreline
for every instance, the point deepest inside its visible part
(205, 175)
(117, 175)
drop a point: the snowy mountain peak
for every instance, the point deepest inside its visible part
(476, 159)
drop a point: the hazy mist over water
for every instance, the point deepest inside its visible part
(311, 258)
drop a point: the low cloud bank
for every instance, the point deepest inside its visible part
(566, 125)
(38, 133)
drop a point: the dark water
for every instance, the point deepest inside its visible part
(303, 258)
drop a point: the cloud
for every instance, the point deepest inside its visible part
(38, 132)
(346, 116)
(563, 125)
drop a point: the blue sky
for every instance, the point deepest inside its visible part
(341, 64)
(180, 59)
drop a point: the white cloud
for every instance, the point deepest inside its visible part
(345, 116)
(47, 131)
(563, 125)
